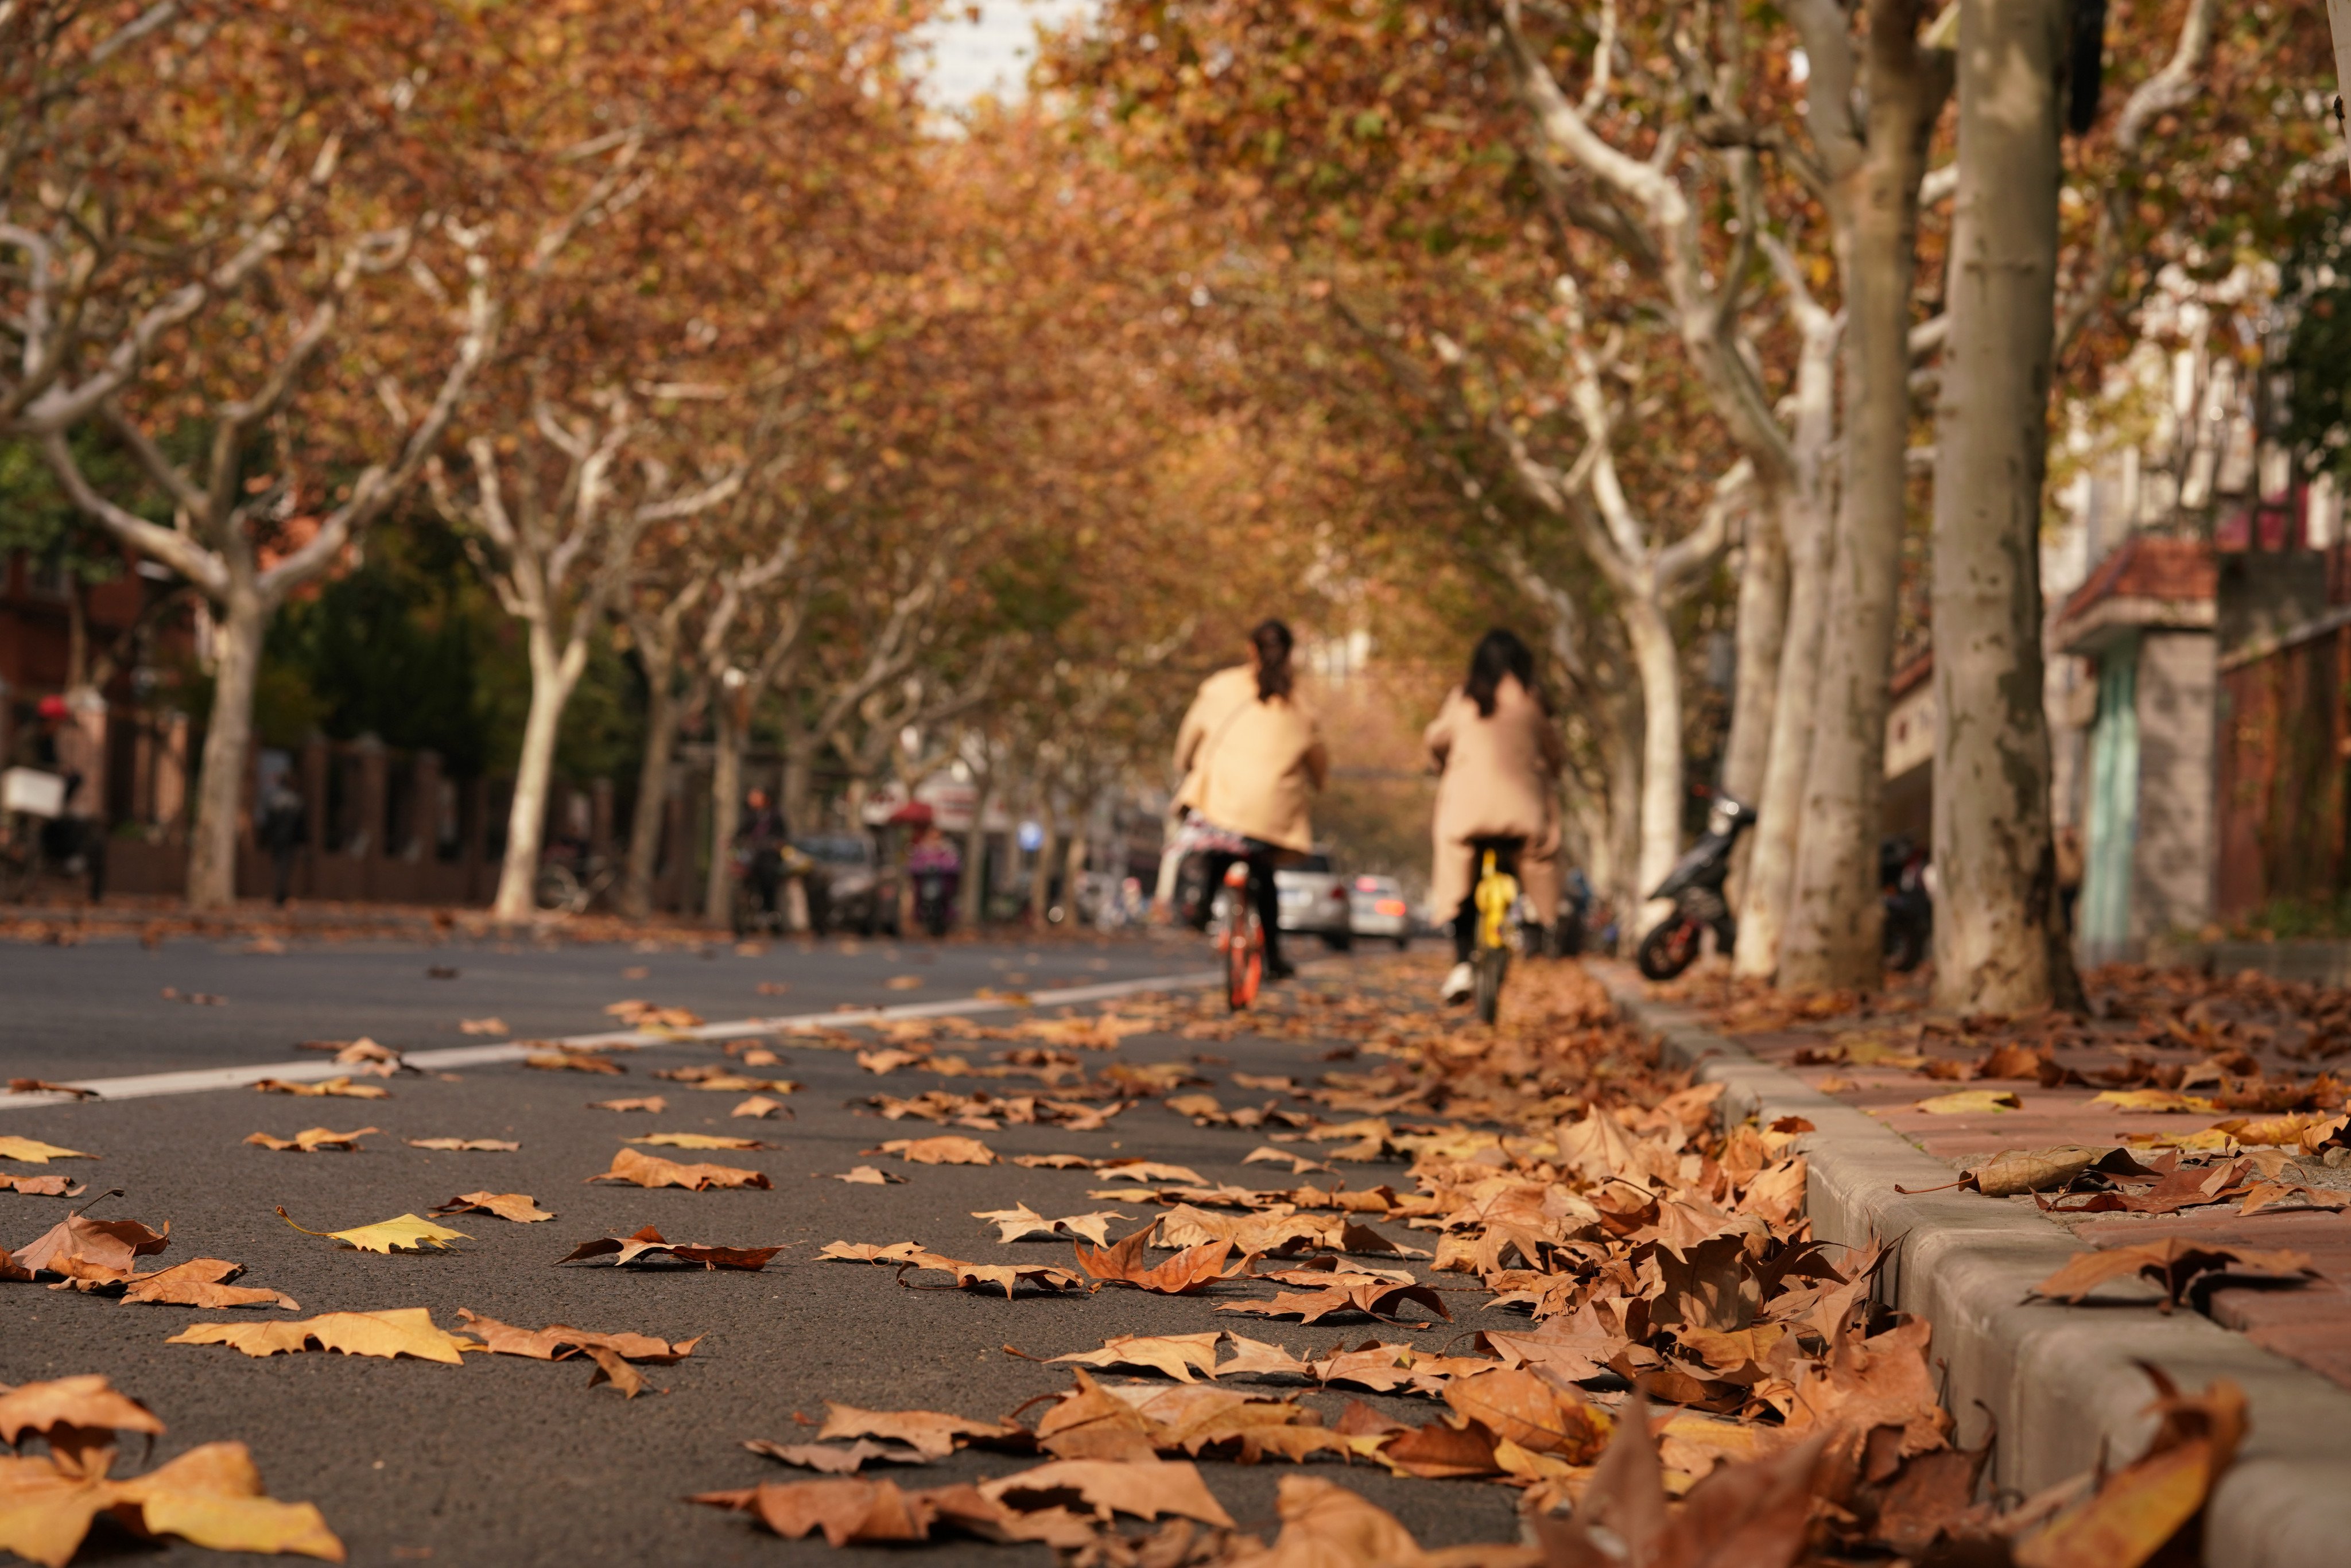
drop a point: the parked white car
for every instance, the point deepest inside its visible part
(1315, 902)
(1376, 907)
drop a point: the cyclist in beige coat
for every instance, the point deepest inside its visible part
(1500, 757)
(1253, 757)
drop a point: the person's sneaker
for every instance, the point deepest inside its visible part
(1459, 983)
(1280, 970)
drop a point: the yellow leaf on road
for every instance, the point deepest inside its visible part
(518, 1206)
(310, 1140)
(404, 1331)
(339, 1086)
(211, 1497)
(697, 1141)
(2153, 1100)
(1970, 1102)
(31, 1151)
(478, 1145)
(404, 1233)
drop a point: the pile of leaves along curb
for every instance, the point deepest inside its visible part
(1699, 1382)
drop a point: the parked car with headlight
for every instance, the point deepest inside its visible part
(1314, 901)
(1376, 907)
(849, 889)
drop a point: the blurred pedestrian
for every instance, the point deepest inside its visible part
(760, 835)
(62, 743)
(283, 829)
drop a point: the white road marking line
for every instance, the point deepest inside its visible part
(200, 1079)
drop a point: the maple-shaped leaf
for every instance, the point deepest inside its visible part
(1176, 1355)
(403, 1330)
(42, 1186)
(518, 1206)
(868, 1176)
(1146, 1489)
(1258, 1358)
(337, 1087)
(836, 1458)
(31, 1151)
(1442, 1449)
(969, 1275)
(759, 1107)
(401, 1233)
(476, 1145)
(1148, 1170)
(1379, 1298)
(2181, 1266)
(1186, 1226)
(1322, 1522)
(89, 1402)
(871, 1252)
(106, 1244)
(648, 1246)
(850, 1509)
(932, 1434)
(648, 1170)
(1520, 1406)
(653, 1103)
(1020, 1223)
(698, 1140)
(202, 1282)
(310, 1140)
(1054, 1162)
(949, 1150)
(611, 1353)
(2138, 1509)
(1267, 1154)
(1194, 1269)
(211, 1496)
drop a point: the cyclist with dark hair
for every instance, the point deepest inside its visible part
(1253, 757)
(1499, 756)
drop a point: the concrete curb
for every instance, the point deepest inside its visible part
(2059, 1382)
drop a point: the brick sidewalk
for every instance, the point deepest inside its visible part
(2311, 1324)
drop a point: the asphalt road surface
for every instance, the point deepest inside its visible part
(509, 1460)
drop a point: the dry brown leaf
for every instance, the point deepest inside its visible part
(1524, 1409)
(930, 1433)
(202, 1282)
(2180, 1266)
(698, 1140)
(457, 1145)
(1441, 1449)
(310, 1140)
(969, 1276)
(941, 1151)
(1193, 1269)
(571, 1062)
(406, 1331)
(870, 1252)
(518, 1206)
(1147, 1170)
(653, 1103)
(42, 1086)
(648, 1170)
(2140, 1508)
(1176, 1355)
(42, 1186)
(868, 1176)
(106, 1244)
(1020, 1223)
(1379, 1298)
(89, 1402)
(647, 1246)
(341, 1086)
(612, 1353)
(1054, 1162)
(1146, 1489)
(211, 1496)
(1970, 1102)
(759, 1108)
(482, 1026)
(836, 1458)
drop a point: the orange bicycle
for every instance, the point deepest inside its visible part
(1240, 937)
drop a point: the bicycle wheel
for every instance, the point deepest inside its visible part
(1493, 963)
(1244, 945)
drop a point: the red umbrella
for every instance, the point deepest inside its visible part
(913, 813)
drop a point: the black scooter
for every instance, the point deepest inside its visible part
(1695, 884)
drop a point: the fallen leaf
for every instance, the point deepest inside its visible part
(653, 1103)
(1267, 1154)
(2178, 1265)
(647, 1246)
(310, 1140)
(1021, 1222)
(758, 1105)
(2030, 1170)
(887, 1059)
(211, 1497)
(698, 1140)
(1192, 1270)
(647, 1170)
(2138, 1509)
(479, 1146)
(518, 1206)
(868, 1176)
(1054, 1162)
(1442, 1449)
(1970, 1102)
(406, 1331)
(571, 1062)
(341, 1086)
(868, 1252)
(31, 1151)
(1144, 1488)
(969, 1275)
(87, 1401)
(42, 1186)
(202, 1282)
(836, 1458)
(106, 1244)
(1376, 1297)
(941, 1151)
(1521, 1407)
(903, 983)
(612, 1353)
(2153, 1100)
(482, 1026)
(1148, 1170)
(404, 1233)
(42, 1086)
(930, 1433)
(1179, 1354)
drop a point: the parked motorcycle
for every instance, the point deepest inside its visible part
(1909, 906)
(1695, 884)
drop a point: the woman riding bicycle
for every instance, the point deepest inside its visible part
(1251, 758)
(1500, 756)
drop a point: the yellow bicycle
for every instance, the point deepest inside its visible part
(1496, 895)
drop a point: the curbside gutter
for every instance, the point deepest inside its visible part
(2056, 1382)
